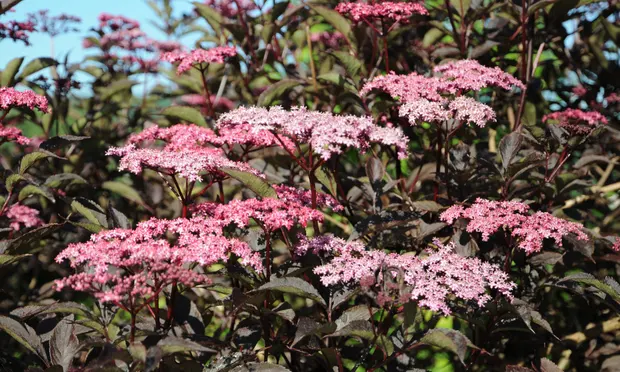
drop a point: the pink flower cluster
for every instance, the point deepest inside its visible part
(440, 98)
(487, 217)
(231, 8)
(124, 264)
(575, 121)
(117, 22)
(16, 31)
(198, 57)
(330, 39)
(21, 215)
(431, 281)
(328, 134)
(10, 97)
(271, 214)
(397, 12)
(304, 197)
(13, 134)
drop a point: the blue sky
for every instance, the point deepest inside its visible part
(88, 10)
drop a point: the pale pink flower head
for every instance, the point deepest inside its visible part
(407, 88)
(11, 134)
(304, 197)
(432, 281)
(10, 97)
(575, 121)
(198, 57)
(580, 91)
(21, 215)
(469, 110)
(385, 10)
(271, 214)
(328, 134)
(468, 74)
(117, 22)
(613, 98)
(488, 217)
(121, 264)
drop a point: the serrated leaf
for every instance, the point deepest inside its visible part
(171, 345)
(115, 88)
(359, 312)
(275, 91)
(6, 259)
(337, 21)
(188, 114)
(123, 190)
(325, 177)
(30, 159)
(296, 286)
(92, 216)
(588, 279)
(60, 141)
(30, 190)
(10, 71)
(36, 65)
(56, 180)
(509, 147)
(448, 339)
(12, 180)
(17, 245)
(351, 64)
(253, 182)
(63, 344)
(23, 334)
(116, 219)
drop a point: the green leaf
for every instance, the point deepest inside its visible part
(325, 177)
(36, 65)
(7, 76)
(30, 190)
(448, 339)
(275, 91)
(432, 36)
(509, 146)
(214, 18)
(351, 64)
(91, 215)
(296, 286)
(6, 259)
(253, 182)
(462, 6)
(24, 334)
(539, 5)
(56, 180)
(584, 278)
(337, 21)
(12, 180)
(188, 114)
(171, 345)
(123, 190)
(115, 88)
(30, 159)
(20, 244)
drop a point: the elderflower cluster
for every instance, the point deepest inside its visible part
(575, 121)
(431, 281)
(187, 60)
(396, 12)
(487, 217)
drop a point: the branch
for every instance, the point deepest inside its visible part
(6, 5)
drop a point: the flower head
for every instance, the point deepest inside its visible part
(487, 217)
(431, 281)
(575, 121)
(327, 134)
(230, 8)
(199, 56)
(21, 215)
(17, 31)
(468, 74)
(304, 197)
(386, 10)
(10, 97)
(13, 134)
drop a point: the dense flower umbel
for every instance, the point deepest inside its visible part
(575, 121)
(121, 263)
(21, 215)
(231, 8)
(189, 163)
(430, 281)
(468, 74)
(12, 134)
(16, 31)
(328, 134)
(397, 12)
(487, 217)
(10, 97)
(199, 56)
(304, 197)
